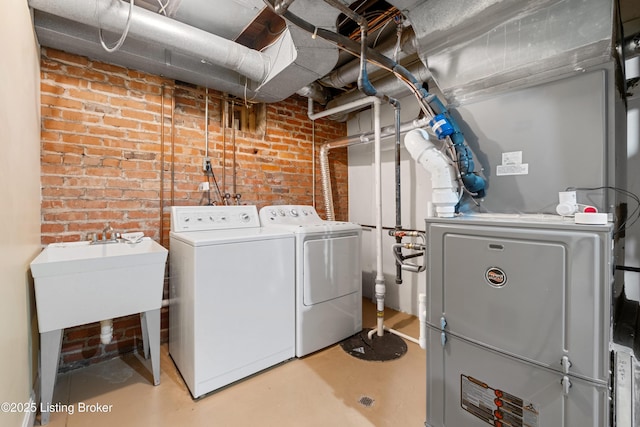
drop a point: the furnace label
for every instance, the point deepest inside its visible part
(496, 407)
(512, 164)
(503, 170)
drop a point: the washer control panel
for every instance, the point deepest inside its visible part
(290, 215)
(201, 218)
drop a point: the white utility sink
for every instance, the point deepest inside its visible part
(78, 283)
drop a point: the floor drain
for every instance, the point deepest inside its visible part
(366, 401)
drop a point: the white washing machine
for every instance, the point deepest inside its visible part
(232, 295)
(328, 275)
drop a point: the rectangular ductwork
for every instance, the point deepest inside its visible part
(482, 46)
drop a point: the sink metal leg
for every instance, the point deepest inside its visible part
(145, 336)
(151, 340)
(50, 345)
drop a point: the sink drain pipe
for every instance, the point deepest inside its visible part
(106, 331)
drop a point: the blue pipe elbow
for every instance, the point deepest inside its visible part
(444, 125)
(472, 182)
(475, 184)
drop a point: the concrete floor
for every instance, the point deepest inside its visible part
(327, 388)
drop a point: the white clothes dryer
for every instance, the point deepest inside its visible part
(328, 275)
(231, 295)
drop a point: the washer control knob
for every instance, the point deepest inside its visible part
(281, 212)
(244, 217)
(273, 212)
(294, 212)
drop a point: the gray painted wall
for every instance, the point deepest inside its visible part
(564, 129)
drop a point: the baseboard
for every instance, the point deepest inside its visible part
(34, 401)
(30, 416)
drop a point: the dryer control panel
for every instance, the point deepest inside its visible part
(290, 215)
(201, 218)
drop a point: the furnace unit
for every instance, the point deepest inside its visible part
(519, 324)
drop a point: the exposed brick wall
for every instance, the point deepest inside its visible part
(103, 163)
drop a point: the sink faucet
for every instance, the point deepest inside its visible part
(107, 229)
(108, 236)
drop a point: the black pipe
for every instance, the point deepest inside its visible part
(625, 268)
(391, 230)
(415, 255)
(398, 195)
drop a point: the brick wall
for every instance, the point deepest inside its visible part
(118, 144)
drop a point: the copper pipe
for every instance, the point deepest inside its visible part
(206, 122)
(173, 150)
(233, 145)
(162, 165)
(224, 114)
(377, 22)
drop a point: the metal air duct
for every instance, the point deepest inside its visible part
(161, 45)
(153, 28)
(477, 47)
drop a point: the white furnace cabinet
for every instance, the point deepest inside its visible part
(519, 322)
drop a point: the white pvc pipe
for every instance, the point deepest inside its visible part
(422, 316)
(340, 108)
(445, 195)
(380, 288)
(401, 335)
(395, 332)
(106, 331)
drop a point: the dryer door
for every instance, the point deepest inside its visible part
(331, 268)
